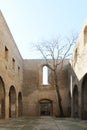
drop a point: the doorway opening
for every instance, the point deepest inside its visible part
(2, 99)
(19, 104)
(46, 107)
(75, 102)
(12, 102)
(84, 98)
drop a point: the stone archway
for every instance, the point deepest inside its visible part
(75, 101)
(84, 98)
(12, 102)
(46, 107)
(2, 99)
(69, 105)
(19, 104)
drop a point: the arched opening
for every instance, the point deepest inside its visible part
(84, 98)
(85, 35)
(75, 101)
(69, 106)
(12, 102)
(46, 107)
(2, 99)
(19, 104)
(45, 75)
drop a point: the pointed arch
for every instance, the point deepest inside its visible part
(19, 104)
(2, 99)
(84, 97)
(12, 102)
(75, 101)
(69, 106)
(45, 75)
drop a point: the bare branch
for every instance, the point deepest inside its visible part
(54, 52)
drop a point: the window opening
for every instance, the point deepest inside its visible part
(18, 70)
(45, 75)
(6, 53)
(76, 53)
(13, 63)
(85, 35)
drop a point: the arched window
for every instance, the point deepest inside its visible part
(85, 35)
(45, 75)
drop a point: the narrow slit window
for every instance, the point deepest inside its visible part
(75, 56)
(45, 75)
(13, 63)
(85, 35)
(6, 53)
(18, 70)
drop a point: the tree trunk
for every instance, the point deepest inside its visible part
(58, 95)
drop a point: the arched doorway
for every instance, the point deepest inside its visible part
(12, 102)
(19, 104)
(69, 105)
(75, 101)
(84, 98)
(46, 107)
(2, 99)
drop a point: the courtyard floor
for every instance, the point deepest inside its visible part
(43, 123)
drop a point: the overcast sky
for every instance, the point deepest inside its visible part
(32, 21)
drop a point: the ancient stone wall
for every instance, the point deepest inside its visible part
(79, 76)
(34, 90)
(22, 92)
(11, 67)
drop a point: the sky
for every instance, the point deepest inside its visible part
(32, 21)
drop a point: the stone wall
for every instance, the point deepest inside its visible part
(11, 65)
(79, 76)
(34, 90)
(22, 91)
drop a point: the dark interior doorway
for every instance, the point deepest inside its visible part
(2, 99)
(45, 108)
(84, 98)
(12, 102)
(75, 102)
(19, 104)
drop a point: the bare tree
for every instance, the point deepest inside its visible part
(57, 50)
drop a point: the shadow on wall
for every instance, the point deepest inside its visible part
(79, 93)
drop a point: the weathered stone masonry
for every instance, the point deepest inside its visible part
(79, 76)
(22, 92)
(34, 91)
(11, 73)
